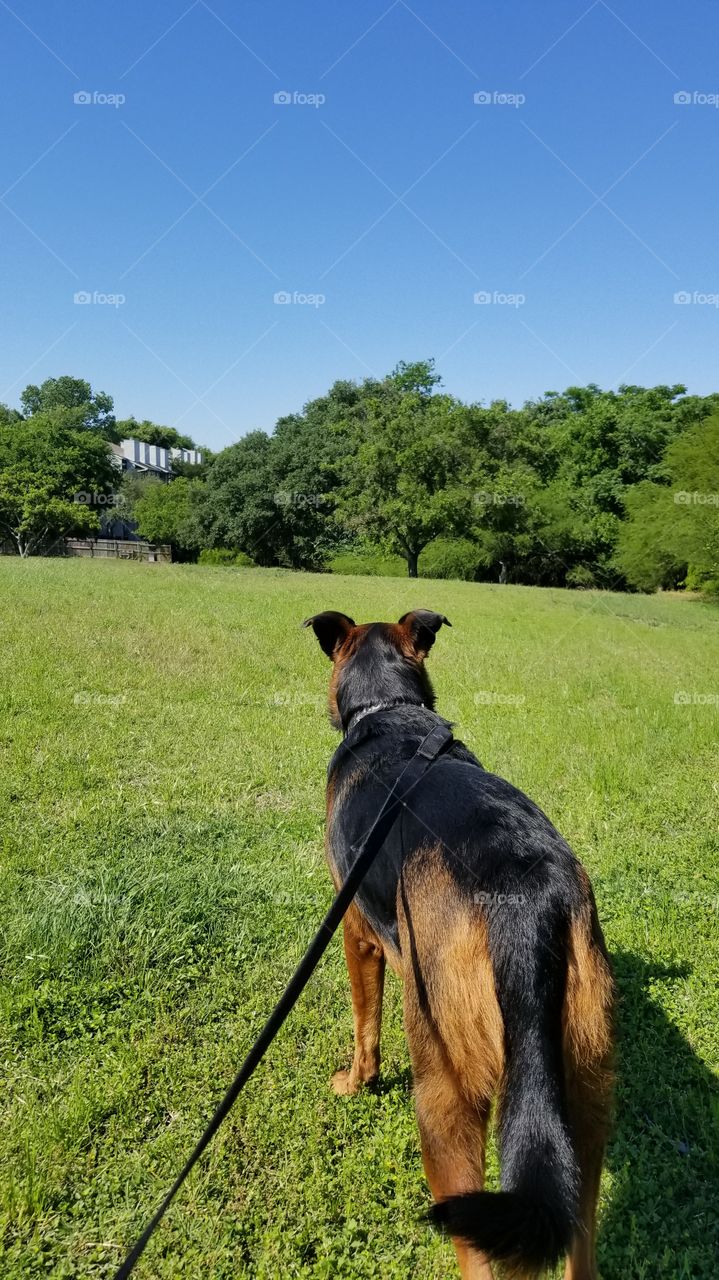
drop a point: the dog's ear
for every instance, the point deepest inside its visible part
(422, 626)
(331, 629)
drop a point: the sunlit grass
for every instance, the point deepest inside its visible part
(163, 745)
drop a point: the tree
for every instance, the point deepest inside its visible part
(193, 470)
(586, 448)
(74, 404)
(404, 483)
(643, 555)
(165, 512)
(253, 505)
(53, 482)
(132, 488)
(672, 530)
(8, 416)
(274, 496)
(418, 376)
(238, 509)
(152, 433)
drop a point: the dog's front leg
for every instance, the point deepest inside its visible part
(365, 965)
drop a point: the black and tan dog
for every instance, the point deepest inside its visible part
(483, 909)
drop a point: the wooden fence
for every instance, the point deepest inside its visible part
(116, 548)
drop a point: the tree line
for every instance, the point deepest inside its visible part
(578, 488)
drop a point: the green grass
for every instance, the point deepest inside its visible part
(162, 752)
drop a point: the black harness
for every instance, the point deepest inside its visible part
(431, 747)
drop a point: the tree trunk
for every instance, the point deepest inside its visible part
(412, 564)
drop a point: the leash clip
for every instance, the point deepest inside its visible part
(437, 739)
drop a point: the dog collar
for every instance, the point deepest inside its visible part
(378, 706)
(359, 732)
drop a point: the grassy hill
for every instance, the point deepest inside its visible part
(163, 744)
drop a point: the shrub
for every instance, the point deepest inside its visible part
(582, 577)
(223, 555)
(370, 561)
(450, 558)
(701, 580)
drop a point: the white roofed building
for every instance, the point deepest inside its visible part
(154, 459)
(135, 455)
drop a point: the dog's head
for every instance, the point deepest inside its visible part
(376, 663)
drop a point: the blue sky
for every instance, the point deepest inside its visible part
(580, 211)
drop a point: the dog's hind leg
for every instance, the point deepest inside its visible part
(588, 1074)
(453, 1129)
(366, 966)
(454, 1031)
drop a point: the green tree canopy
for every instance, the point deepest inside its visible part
(165, 512)
(54, 481)
(73, 402)
(405, 483)
(153, 433)
(672, 530)
(573, 488)
(274, 497)
(8, 415)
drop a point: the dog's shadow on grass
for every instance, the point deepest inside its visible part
(664, 1154)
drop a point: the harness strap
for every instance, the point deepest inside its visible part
(429, 749)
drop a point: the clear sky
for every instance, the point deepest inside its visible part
(581, 205)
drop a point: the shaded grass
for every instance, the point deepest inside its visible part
(162, 754)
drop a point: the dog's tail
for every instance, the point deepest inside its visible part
(529, 1224)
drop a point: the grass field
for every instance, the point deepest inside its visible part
(163, 744)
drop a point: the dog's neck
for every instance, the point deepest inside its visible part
(361, 712)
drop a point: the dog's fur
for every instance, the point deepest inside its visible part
(481, 907)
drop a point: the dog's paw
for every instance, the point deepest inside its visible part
(343, 1083)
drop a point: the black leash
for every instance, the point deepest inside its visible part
(429, 749)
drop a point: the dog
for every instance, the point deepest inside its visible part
(482, 909)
